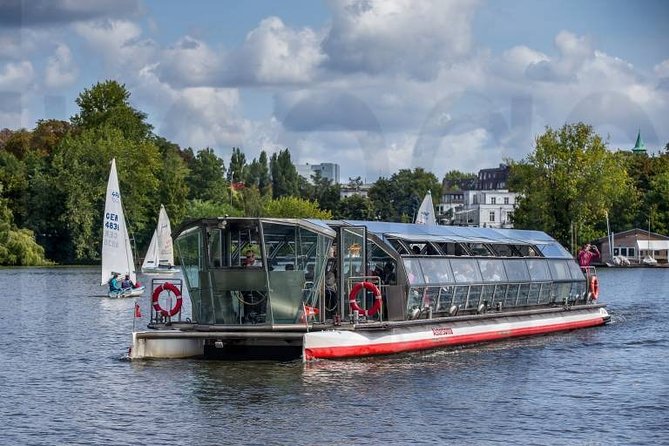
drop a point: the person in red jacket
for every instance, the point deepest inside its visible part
(587, 254)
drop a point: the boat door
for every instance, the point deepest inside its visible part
(352, 254)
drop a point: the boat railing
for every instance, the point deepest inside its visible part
(589, 271)
(428, 299)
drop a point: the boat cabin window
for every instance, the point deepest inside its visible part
(235, 245)
(465, 270)
(414, 271)
(424, 249)
(538, 269)
(560, 269)
(492, 270)
(479, 249)
(452, 249)
(399, 246)
(381, 264)
(528, 251)
(504, 250)
(516, 270)
(436, 271)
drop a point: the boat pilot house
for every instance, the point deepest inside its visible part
(325, 289)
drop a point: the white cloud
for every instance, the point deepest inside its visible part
(276, 54)
(61, 71)
(189, 62)
(120, 44)
(414, 38)
(272, 54)
(16, 76)
(202, 117)
(573, 52)
(662, 69)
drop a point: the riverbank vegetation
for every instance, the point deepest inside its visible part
(53, 180)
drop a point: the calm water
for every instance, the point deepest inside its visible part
(64, 381)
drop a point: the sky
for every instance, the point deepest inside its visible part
(373, 85)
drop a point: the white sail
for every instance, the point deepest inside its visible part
(425, 215)
(161, 251)
(116, 250)
(151, 258)
(164, 232)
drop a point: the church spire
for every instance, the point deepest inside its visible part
(639, 147)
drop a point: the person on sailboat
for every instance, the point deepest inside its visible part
(114, 284)
(127, 283)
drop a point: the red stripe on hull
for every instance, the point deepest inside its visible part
(425, 344)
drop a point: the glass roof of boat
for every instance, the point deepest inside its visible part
(410, 231)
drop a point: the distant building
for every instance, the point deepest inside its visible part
(348, 190)
(484, 201)
(327, 170)
(635, 245)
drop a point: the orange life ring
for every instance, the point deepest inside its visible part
(156, 294)
(594, 287)
(354, 294)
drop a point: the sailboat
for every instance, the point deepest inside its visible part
(160, 255)
(116, 251)
(425, 214)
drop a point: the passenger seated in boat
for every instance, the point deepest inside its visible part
(255, 304)
(127, 283)
(250, 260)
(114, 285)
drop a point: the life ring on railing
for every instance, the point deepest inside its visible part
(594, 287)
(352, 298)
(156, 304)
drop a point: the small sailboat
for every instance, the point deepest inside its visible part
(425, 214)
(116, 251)
(160, 255)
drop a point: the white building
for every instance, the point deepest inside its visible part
(327, 170)
(482, 202)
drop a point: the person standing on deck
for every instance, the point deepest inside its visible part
(586, 254)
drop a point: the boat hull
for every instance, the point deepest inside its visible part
(335, 344)
(360, 340)
(128, 292)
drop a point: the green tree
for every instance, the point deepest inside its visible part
(108, 104)
(207, 209)
(355, 207)
(173, 174)
(17, 246)
(568, 182)
(80, 172)
(295, 207)
(454, 179)
(237, 170)
(257, 174)
(285, 179)
(398, 198)
(207, 177)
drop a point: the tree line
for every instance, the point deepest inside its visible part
(53, 180)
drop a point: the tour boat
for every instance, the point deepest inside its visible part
(345, 289)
